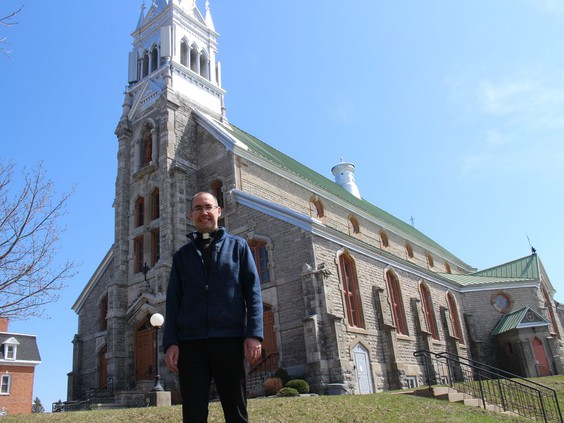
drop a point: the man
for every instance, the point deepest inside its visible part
(213, 315)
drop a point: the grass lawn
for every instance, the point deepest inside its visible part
(381, 407)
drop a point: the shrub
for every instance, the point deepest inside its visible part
(288, 392)
(282, 374)
(272, 385)
(299, 385)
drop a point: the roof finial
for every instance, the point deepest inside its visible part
(143, 6)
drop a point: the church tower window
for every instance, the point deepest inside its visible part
(184, 53)
(145, 65)
(194, 59)
(155, 246)
(204, 65)
(146, 145)
(154, 59)
(138, 253)
(139, 212)
(155, 204)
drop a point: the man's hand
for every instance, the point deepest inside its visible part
(171, 358)
(252, 349)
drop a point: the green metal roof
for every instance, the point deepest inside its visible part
(518, 319)
(526, 267)
(285, 162)
(472, 279)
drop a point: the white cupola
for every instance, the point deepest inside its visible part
(344, 176)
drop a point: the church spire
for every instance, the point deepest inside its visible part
(209, 20)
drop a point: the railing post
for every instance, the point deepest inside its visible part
(502, 396)
(542, 407)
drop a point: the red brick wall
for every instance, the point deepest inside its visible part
(21, 391)
(3, 324)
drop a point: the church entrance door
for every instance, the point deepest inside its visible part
(144, 351)
(543, 368)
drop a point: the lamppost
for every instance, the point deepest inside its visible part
(157, 321)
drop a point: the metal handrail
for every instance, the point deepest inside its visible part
(510, 392)
(94, 396)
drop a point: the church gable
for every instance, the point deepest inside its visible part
(519, 319)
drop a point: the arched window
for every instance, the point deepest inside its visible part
(139, 212)
(204, 66)
(155, 246)
(354, 228)
(103, 323)
(409, 250)
(145, 64)
(260, 255)
(316, 208)
(138, 253)
(351, 291)
(184, 53)
(146, 145)
(428, 310)
(447, 268)
(194, 59)
(384, 238)
(430, 261)
(396, 301)
(217, 191)
(455, 318)
(550, 309)
(154, 59)
(155, 204)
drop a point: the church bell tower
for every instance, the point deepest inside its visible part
(173, 71)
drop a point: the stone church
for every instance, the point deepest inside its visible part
(350, 292)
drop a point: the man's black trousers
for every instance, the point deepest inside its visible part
(220, 359)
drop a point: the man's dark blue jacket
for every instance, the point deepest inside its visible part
(225, 303)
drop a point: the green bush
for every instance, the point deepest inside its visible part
(282, 374)
(299, 385)
(272, 385)
(288, 392)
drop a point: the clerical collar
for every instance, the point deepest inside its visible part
(206, 235)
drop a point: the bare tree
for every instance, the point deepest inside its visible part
(29, 235)
(6, 21)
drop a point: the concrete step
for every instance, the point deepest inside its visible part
(473, 402)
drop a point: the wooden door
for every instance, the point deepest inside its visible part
(543, 367)
(144, 351)
(102, 368)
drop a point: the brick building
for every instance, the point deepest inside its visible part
(350, 291)
(18, 357)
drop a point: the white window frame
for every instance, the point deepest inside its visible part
(10, 351)
(5, 381)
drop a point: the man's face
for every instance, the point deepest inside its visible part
(205, 213)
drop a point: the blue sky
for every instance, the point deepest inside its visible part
(452, 112)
